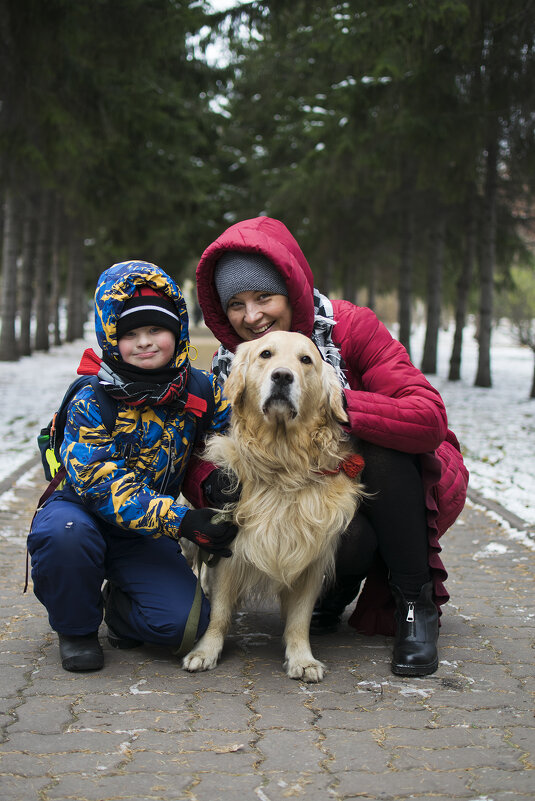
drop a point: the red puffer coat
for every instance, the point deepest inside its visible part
(390, 402)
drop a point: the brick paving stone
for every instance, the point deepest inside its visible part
(47, 742)
(359, 750)
(120, 786)
(290, 750)
(306, 786)
(137, 720)
(124, 703)
(291, 714)
(39, 712)
(365, 720)
(31, 765)
(492, 780)
(469, 758)
(507, 718)
(210, 741)
(510, 795)
(222, 759)
(145, 729)
(475, 699)
(394, 784)
(445, 738)
(221, 787)
(220, 711)
(17, 788)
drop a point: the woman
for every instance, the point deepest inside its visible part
(254, 278)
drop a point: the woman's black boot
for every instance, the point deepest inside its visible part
(330, 606)
(415, 645)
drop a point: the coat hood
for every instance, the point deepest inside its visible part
(116, 285)
(271, 238)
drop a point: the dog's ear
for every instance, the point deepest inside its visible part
(235, 384)
(334, 393)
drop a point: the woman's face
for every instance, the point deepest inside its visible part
(252, 314)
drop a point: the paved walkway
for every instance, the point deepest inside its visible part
(143, 729)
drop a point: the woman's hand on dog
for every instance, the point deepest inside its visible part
(221, 488)
(212, 536)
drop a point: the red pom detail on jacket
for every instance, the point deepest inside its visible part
(90, 363)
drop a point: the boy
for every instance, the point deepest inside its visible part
(116, 516)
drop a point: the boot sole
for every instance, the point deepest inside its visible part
(414, 670)
(78, 664)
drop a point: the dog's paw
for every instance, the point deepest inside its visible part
(196, 661)
(312, 672)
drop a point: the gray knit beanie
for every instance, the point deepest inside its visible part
(237, 271)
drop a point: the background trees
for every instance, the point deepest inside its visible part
(516, 304)
(395, 139)
(107, 136)
(392, 136)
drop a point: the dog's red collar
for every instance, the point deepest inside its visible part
(351, 466)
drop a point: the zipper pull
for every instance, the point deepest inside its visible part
(410, 613)
(171, 455)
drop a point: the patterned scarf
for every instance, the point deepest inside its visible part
(324, 323)
(135, 385)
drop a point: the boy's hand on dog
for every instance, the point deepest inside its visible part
(221, 488)
(214, 537)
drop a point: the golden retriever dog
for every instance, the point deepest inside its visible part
(299, 490)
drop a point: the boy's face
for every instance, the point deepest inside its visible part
(149, 347)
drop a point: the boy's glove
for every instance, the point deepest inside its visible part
(220, 488)
(197, 527)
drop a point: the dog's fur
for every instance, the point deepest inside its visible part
(285, 430)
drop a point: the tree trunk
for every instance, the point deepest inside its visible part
(10, 251)
(349, 284)
(405, 277)
(532, 393)
(76, 312)
(372, 288)
(55, 289)
(464, 283)
(327, 276)
(486, 267)
(434, 294)
(42, 273)
(26, 283)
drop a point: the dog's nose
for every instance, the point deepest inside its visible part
(282, 376)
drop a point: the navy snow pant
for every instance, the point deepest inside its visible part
(73, 551)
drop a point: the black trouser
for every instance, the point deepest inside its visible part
(392, 521)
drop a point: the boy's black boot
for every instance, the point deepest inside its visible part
(117, 605)
(80, 651)
(415, 644)
(330, 606)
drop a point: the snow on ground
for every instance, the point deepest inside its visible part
(496, 426)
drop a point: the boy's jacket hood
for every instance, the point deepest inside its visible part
(271, 238)
(116, 285)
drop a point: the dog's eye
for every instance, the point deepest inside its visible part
(306, 359)
(266, 354)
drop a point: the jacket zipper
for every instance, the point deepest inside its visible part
(410, 613)
(170, 466)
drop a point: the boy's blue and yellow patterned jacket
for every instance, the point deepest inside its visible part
(132, 478)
